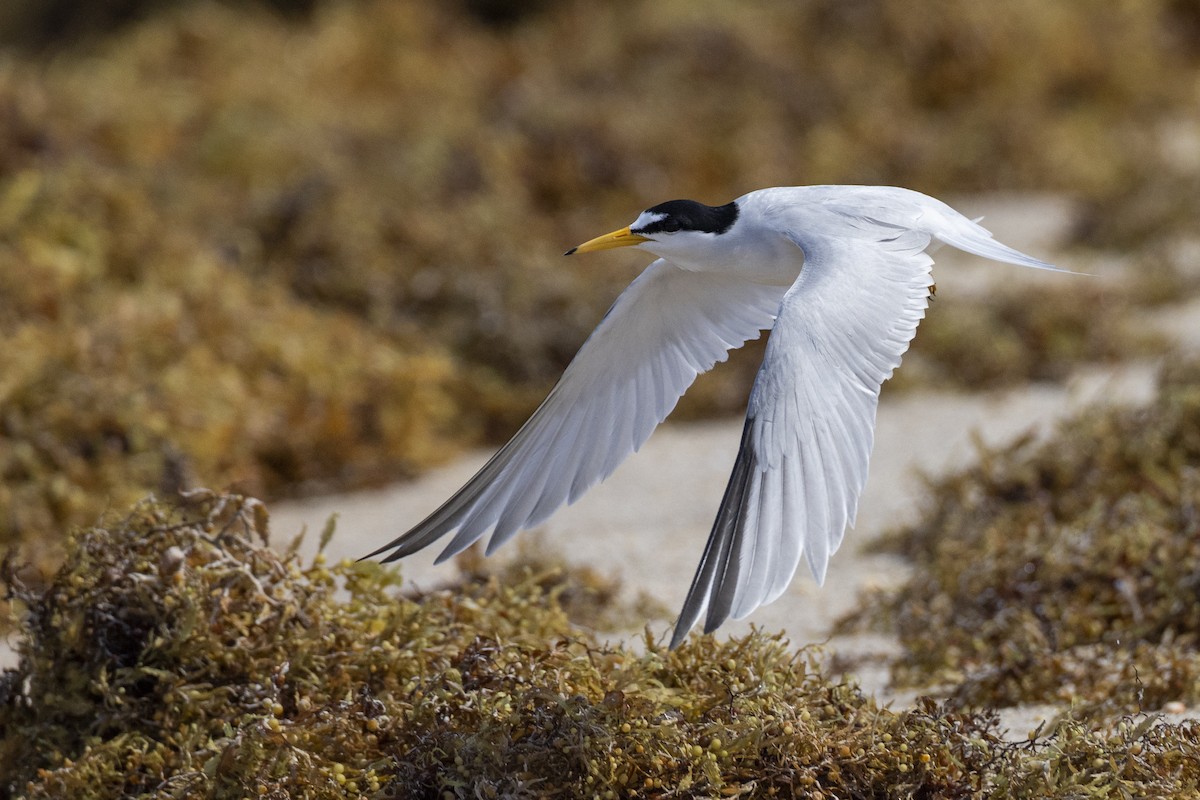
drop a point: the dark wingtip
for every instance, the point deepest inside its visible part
(679, 635)
(373, 554)
(571, 251)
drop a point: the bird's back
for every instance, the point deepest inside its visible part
(868, 212)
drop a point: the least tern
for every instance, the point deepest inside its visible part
(840, 276)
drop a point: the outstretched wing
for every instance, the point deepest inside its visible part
(810, 423)
(802, 463)
(665, 329)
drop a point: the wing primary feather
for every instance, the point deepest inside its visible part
(448, 515)
(547, 472)
(470, 531)
(718, 541)
(731, 580)
(816, 529)
(765, 552)
(790, 533)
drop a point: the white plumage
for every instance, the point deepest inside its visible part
(841, 277)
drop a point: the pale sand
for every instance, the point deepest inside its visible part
(647, 524)
(649, 521)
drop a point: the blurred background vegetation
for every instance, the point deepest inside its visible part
(313, 245)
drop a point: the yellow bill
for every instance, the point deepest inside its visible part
(621, 238)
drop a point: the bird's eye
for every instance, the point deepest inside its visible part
(669, 225)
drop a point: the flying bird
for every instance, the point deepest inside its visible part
(840, 276)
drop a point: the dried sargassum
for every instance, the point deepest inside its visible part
(175, 655)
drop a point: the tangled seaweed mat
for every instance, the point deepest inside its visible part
(175, 655)
(1065, 570)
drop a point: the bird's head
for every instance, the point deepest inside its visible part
(680, 230)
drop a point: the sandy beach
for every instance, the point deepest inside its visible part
(647, 524)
